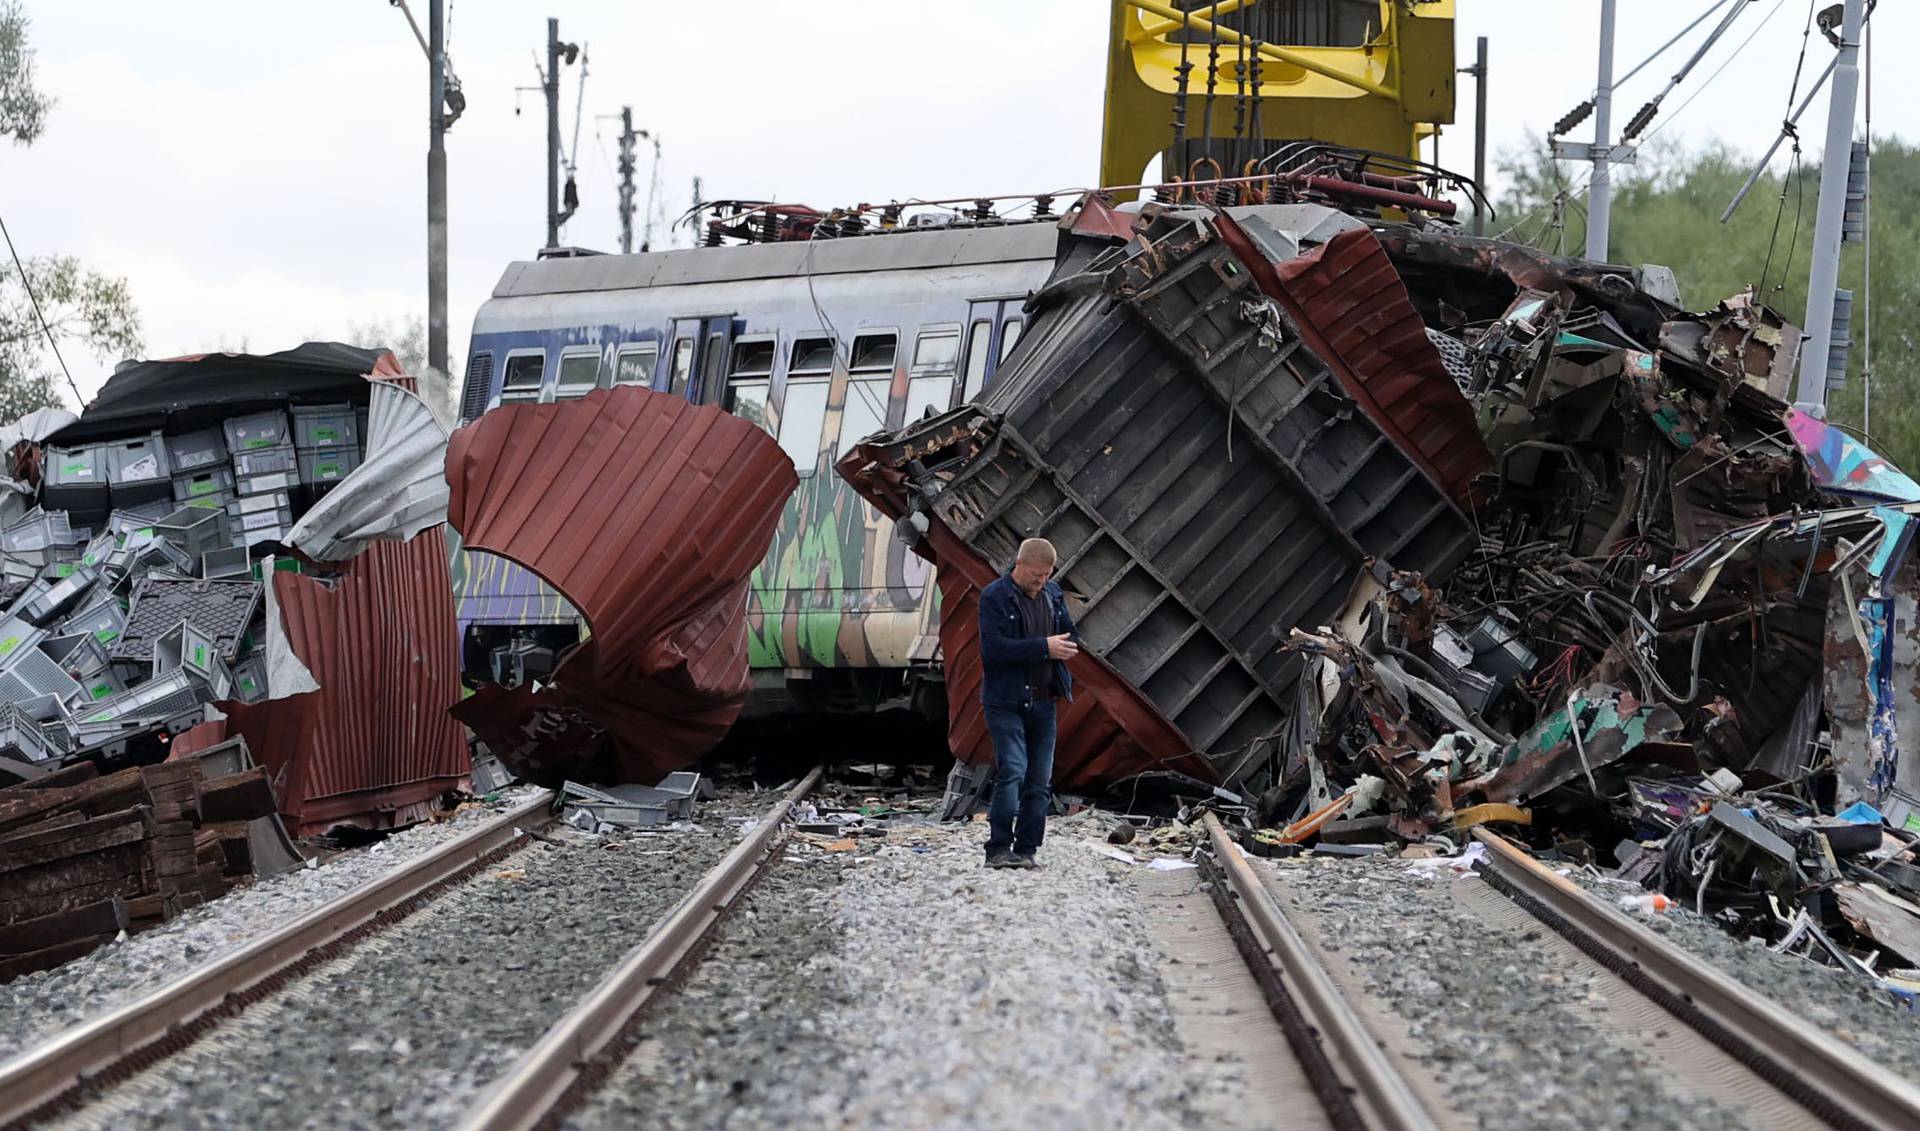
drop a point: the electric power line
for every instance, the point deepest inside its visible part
(1582, 187)
(26, 284)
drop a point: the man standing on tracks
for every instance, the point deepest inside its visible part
(1026, 637)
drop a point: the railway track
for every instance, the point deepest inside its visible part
(1344, 1062)
(60, 1074)
(81, 1073)
(1838, 1087)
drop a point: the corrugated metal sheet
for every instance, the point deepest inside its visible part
(375, 741)
(1354, 311)
(1208, 484)
(648, 514)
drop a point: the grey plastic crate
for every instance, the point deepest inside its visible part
(191, 451)
(17, 636)
(254, 504)
(250, 679)
(257, 430)
(327, 465)
(102, 618)
(268, 482)
(103, 684)
(155, 700)
(137, 460)
(129, 519)
(23, 738)
(39, 531)
(188, 648)
(325, 426)
(252, 538)
(62, 595)
(232, 561)
(280, 457)
(202, 483)
(274, 518)
(30, 674)
(75, 479)
(196, 530)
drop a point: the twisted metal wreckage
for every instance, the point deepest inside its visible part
(1393, 531)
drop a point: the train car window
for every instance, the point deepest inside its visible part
(579, 375)
(635, 365)
(979, 339)
(711, 368)
(521, 380)
(873, 351)
(803, 412)
(682, 366)
(1009, 337)
(812, 355)
(803, 415)
(923, 393)
(753, 359)
(750, 381)
(866, 411)
(936, 349)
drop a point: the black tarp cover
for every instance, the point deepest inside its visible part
(185, 394)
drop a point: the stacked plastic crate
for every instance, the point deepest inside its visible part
(266, 469)
(327, 439)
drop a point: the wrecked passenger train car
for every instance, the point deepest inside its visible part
(818, 342)
(1186, 436)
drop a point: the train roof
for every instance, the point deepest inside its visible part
(893, 251)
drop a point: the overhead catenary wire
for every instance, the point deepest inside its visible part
(1582, 186)
(26, 284)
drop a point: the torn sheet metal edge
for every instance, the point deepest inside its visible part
(399, 489)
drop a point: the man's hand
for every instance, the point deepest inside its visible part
(1062, 647)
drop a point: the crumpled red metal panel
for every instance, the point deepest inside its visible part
(1353, 309)
(648, 514)
(374, 742)
(1108, 733)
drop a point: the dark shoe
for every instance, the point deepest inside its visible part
(1026, 860)
(1002, 860)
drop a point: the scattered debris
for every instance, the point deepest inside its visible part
(1395, 532)
(85, 857)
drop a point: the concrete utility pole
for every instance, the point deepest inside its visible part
(551, 87)
(627, 138)
(437, 187)
(1600, 196)
(1824, 277)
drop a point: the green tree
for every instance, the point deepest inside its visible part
(1666, 210)
(80, 306)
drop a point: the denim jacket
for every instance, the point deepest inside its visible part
(1005, 653)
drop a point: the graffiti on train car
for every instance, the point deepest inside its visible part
(836, 588)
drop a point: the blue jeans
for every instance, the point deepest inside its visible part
(1023, 779)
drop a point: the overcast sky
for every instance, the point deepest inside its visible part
(257, 170)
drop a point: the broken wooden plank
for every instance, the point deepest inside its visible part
(108, 916)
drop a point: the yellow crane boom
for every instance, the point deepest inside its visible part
(1365, 74)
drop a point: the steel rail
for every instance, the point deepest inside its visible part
(1352, 1076)
(1840, 1087)
(138, 1035)
(584, 1046)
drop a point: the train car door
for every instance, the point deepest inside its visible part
(697, 357)
(993, 329)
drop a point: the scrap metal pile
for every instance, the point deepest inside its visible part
(1393, 531)
(145, 551)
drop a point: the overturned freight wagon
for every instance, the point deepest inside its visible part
(1214, 466)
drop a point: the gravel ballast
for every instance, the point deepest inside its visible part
(408, 1027)
(40, 1004)
(919, 990)
(1519, 1035)
(1858, 1013)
